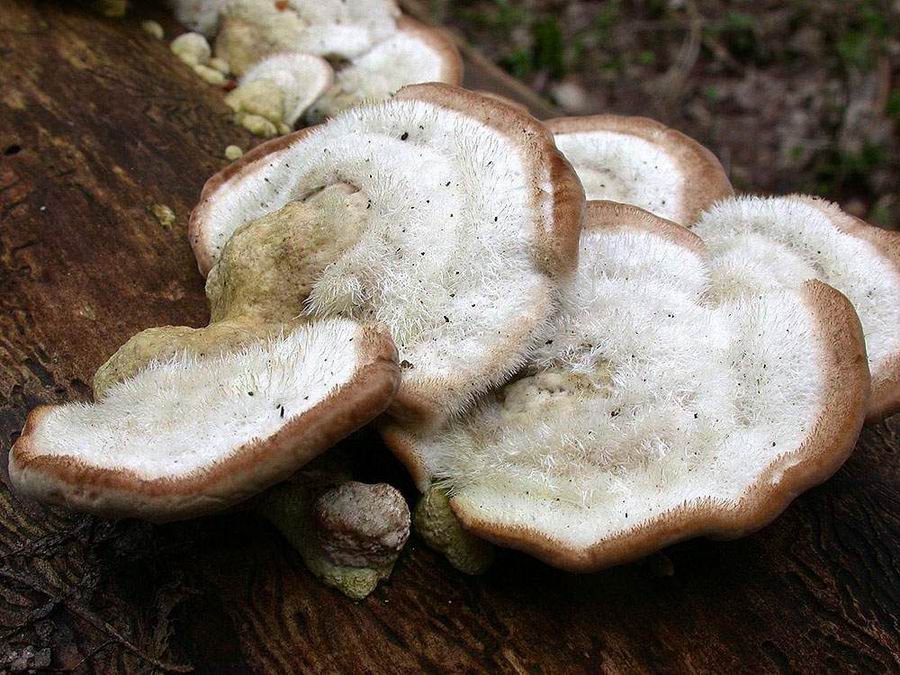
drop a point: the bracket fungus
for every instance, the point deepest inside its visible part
(190, 421)
(340, 30)
(414, 53)
(348, 533)
(374, 49)
(456, 219)
(280, 88)
(345, 29)
(760, 243)
(652, 414)
(636, 160)
(252, 30)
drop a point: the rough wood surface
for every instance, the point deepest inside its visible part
(97, 123)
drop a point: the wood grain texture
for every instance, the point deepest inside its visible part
(98, 122)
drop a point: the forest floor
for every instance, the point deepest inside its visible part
(802, 95)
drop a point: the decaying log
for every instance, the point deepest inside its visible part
(99, 123)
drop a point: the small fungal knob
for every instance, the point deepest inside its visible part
(192, 48)
(438, 526)
(349, 535)
(263, 98)
(362, 525)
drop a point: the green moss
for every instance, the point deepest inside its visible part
(548, 46)
(893, 104)
(110, 8)
(737, 33)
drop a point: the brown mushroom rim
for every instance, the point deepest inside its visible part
(557, 250)
(705, 178)
(246, 164)
(601, 214)
(402, 444)
(505, 100)
(440, 43)
(276, 457)
(598, 214)
(825, 449)
(885, 399)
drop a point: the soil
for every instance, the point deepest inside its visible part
(801, 95)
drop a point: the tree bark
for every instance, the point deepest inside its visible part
(98, 123)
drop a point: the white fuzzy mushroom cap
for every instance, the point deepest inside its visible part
(415, 53)
(650, 415)
(301, 77)
(199, 15)
(344, 28)
(471, 220)
(761, 243)
(195, 434)
(638, 161)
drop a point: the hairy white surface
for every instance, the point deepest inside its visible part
(301, 77)
(378, 74)
(644, 399)
(344, 28)
(445, 260)
(198, 15)
(760, 243)
(186, 414)
(626, 169)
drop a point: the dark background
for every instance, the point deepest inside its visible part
(796, 95)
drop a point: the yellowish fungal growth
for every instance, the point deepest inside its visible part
(209, 75)
(164, 214)
(192, 48)
(233, 152)
(258, 126)
(220, 64)
(153, 28)
(250, 30)
(165, 342)
(269, 265)
(259, 107)
(259, 285)
(262, 98)
(437, 525)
